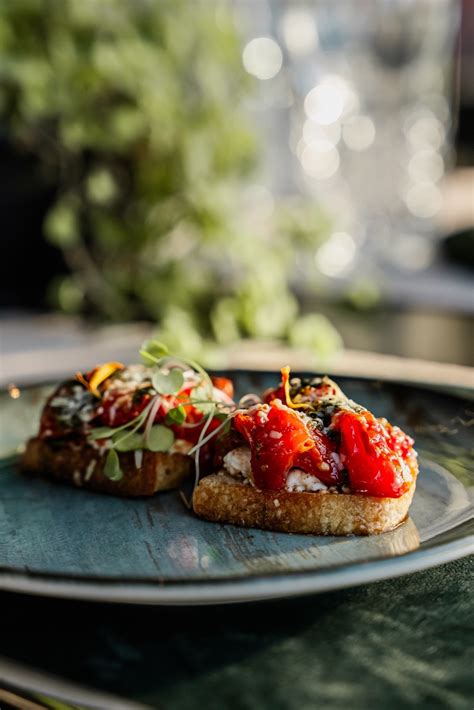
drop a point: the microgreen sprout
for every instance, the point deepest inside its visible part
(168, 376)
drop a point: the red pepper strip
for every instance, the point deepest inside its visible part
(369, 453)
(279, 441)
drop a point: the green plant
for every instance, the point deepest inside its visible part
(132, 107)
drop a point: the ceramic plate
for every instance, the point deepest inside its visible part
(60, 541)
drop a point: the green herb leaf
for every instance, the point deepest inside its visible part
(128, 442)
(199, 394)
(101, 432)
(177, 415)
(112, 466)
(160, 438)
(152, 350)
(169, 383)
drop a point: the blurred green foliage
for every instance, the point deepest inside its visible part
(132, 107)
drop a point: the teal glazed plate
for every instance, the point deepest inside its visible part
(59, 541)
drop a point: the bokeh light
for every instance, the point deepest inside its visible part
(423, 200)
(324, 104)
(320, 159)
(262, 57)
(424, 130)
(299, 31)
(413, 252)
(336, 255)
(358, 133)
(426, 165)
(313, 131)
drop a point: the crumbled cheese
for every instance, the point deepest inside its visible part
(275, 434)
(90, 469)
(138, 456)
(133, 374)
(299, 481)
(180, 446)
(86, 414)
(238, 462)
(276, 502)
(60, 402)
(72, 404)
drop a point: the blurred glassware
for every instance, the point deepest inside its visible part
(355, 104)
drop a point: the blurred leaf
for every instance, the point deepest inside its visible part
(136, 109)
(101, 187)
(62, 224)
(364, 295)
(315, 333)
(70, 296)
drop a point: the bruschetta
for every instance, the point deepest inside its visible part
(307, 459)
(128, 431)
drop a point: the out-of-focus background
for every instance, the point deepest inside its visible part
(234, 174)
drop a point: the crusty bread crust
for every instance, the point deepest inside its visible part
(221, 498)
(82, 465)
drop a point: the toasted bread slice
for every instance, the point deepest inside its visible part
(224, 499)
(82, 465)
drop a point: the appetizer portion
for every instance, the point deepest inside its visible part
(309, 460)
(129, 430)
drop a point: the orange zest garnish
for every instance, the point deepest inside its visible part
(285, 381)
(99, 375)
(80, 378)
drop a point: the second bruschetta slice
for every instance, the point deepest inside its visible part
(309, 460)
(128, 430)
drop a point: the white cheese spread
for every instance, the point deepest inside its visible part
(299, 481)
(180, 446)
(237, 462)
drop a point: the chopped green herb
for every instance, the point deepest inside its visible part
(177, 415)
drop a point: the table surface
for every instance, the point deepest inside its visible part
(398, 643)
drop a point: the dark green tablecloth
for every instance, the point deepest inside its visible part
(395, 644)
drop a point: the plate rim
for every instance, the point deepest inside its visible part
(243, 590)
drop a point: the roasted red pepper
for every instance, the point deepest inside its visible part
(279, 441)
(378, 457)
(121, 406)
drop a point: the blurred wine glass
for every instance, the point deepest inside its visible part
(355, 105)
